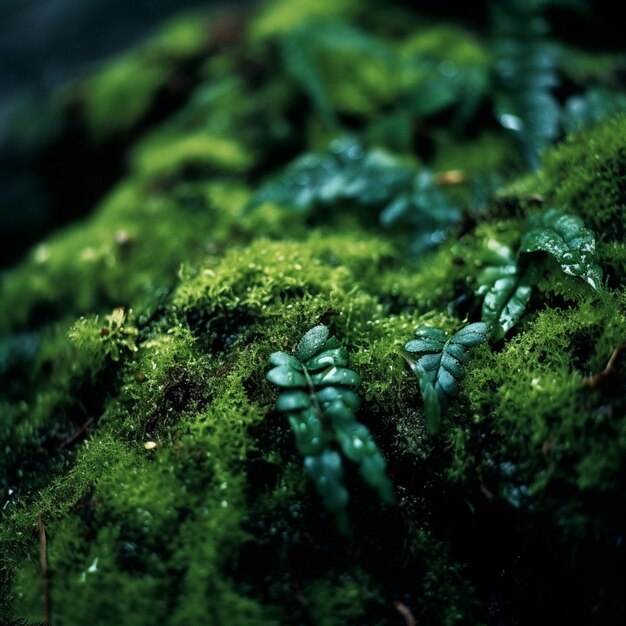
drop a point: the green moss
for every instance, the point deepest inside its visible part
(279, 18)
(122, 92)
(585, 175)
(128, 87)
(447, 42)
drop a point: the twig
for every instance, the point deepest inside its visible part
(405, 611)
(594, 381)
(43, 559)
(77, 433)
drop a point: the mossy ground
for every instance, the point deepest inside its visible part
(152, 321)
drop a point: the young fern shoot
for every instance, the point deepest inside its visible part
(320, 406)
(437, 360)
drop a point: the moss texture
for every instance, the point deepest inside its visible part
(135, 418)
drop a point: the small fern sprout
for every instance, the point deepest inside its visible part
(437, 360)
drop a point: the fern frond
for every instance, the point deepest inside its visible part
(366, 178)
(437, 360)
(320, 406)
(507, 282)
(526, 67)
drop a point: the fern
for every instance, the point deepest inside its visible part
(320, 405)
(437, 360)
(526, 69)
(566, 239)
(349, 173)
(507, 282)
(506, 290)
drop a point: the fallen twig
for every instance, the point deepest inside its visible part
(594, 381)
(405, 611)
(77, 433)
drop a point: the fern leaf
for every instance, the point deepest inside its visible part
(320, 406)
(374, 178)
(566, 239)
(437, 360)
(526, 67)
(507, 282)
(506, 290)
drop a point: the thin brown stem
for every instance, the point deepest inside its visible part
(43, 560)
(596, 379)
(77, 433)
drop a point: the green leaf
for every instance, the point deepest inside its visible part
(329, 394)
(326, 472)
(438, 361)
(312, 342)
(309, 432)
(337, 357)
(285, 376)
(566, 239)
(505, 301)
(336, 376)
(526, 69)
(293, 401)
(280, 358)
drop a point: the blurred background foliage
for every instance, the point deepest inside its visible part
(57, 159)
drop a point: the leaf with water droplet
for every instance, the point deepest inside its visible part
(293, 401)
(336, 376)
(281, 358)
(285, 376)
(337, 357)
(437, 361)
(320, 410)
(312, 342)
(326, 471)
(566, 239)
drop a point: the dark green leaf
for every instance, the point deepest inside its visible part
(326, 471)
(337, 357)
(526, 69)
(438, 361)
(293, 401)
(309, 432)
(565, 238)
(505, 302)
(312, 342)
(329, 394)
(285, 376)
(405, 196)
(336, 376)
(320, 409)
(471, 335)
(280, 358)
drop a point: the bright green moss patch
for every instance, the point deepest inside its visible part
(280, 18)
(111, 91)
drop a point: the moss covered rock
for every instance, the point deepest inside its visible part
(138, 430)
